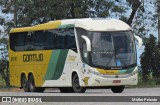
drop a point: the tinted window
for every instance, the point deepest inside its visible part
(60, 39)
(12, 41)
(17, 41)
(43, 40)
(20, 39)
(60, 42)
(28, 38)
(29, 41)
(38, 40)
(70, 39)
(50, 39)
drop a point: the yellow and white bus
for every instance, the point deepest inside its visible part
(72, 55)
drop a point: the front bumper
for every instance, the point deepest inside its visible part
(102, 81)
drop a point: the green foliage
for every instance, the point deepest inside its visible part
(151, 82)
(145, 22)
(1, 21)
(31, 12)
(3, 41)
(150, 59)
(4, 68)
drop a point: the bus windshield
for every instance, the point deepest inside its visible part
(112, 49)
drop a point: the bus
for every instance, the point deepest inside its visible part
(73, 55)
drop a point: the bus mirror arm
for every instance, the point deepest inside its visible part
(139, 41)
(88, 42)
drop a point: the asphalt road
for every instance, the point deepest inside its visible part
(128, 92)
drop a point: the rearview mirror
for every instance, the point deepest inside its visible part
(88, 42)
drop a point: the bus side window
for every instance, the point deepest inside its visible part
(49, 39)
(29, 41)
(38, 40)
(20, 41)
(70, 42)
(60, 39)
(13, 41)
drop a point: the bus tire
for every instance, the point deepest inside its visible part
(40, 89)
(32, 87)
(24, 83)
(76, 86)
(66, 89)
(31, 84)
(117, 89)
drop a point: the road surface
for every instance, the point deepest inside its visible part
(128, 92)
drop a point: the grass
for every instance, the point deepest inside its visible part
(2, 82)
(150, 83)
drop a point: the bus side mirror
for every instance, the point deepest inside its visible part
(139, 41)
(88, 42)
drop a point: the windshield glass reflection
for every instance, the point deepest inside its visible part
(111, 49)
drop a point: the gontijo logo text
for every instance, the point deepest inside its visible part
(32, 57)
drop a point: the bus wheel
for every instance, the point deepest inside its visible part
(66, 89)
(31, 84)
(24, 83)
(40, 89)
(76, 86)
(117, 89)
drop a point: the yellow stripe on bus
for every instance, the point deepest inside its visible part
(46, 26)
(102, 71)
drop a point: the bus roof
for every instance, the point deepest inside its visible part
(91, 24)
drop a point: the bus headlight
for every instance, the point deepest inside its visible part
(114, 76)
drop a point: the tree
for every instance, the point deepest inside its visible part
(135, 5)
(146, 59)
(33, 12)
(158, 11)
(145, 24)
(4, 68)
(150, 59)
(156, 62)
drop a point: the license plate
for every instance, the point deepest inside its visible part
(116, 81)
